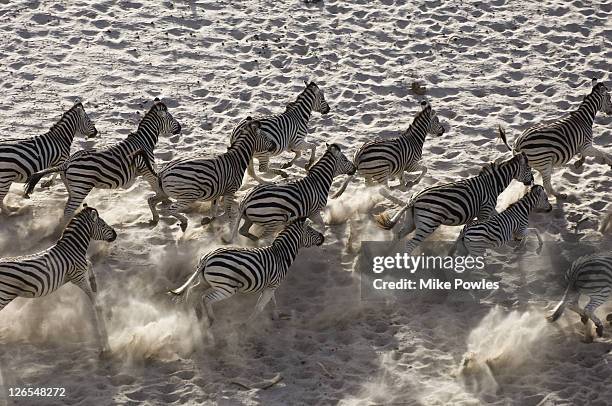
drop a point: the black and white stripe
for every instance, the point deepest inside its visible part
(288, 130)
(43, 273)
(227, 271)
(457, 203)
(210, 179)
(382, 160)
(510, 225)
(269, 205)
(19, 159)
(589, 275)
(552, 145)
(114, 167)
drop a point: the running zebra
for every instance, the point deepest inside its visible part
(590, 275)
(288, 131)
(552, 145)
(19, 159)
(190, 179)
(457, 203)
(269, 205)
(114, 167)
(227, 271)
(511, 224)
(40, 274)
(382, 160)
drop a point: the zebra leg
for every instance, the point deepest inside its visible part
(213, 213)
(230, 203)
(594, 303)
(49, 182)
(75, 198)
(297, 155)
(4, 188)
(96, 314)
(253, 174)
(420, 235)
(578, 164)
(153, 201)
(263, 300)
(546, 176)
(386, 193)
(174, 211)
(244, 230)
(603, 157)
(419, 178)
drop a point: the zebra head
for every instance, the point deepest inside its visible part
(434, 127)
(309, 236)
(83, 125)
(320, 105)
(541, 199)
(343, 164)
(165, 123)
(252, 128)
(99, 229)
(523, 171)
(603, 92)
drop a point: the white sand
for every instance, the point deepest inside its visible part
(483, 63)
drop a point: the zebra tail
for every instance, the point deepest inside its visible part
(180, 290)
(33, 180)
(343, 187)
(387, 223)
(502, 135)
(554, 316)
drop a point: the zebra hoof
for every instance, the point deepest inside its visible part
(609, 318)
(183, 226)
(584, 319)
(561, 196)
(284, 175)
(153, 223)
(206, 220)
(599, 330)
(286, 165)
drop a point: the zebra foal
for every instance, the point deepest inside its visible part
(269, 205)
(457, 203)
(43, 273)
(382, 160)
(19, 159)
(590, 275)
(552, 145)
(190, 179)
(228, 271)
(288, 131)
(511, 224)
(114, 167)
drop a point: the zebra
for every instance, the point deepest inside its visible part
(552, 145)
(43, 273)
(511, 224)
(189, 179)
(457, 203)
(384, 159)
(114, 167)
(288, 131)
(228, 271)
(19, 159)
(267, 205)
(590, 275)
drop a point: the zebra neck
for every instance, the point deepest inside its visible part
(501, 178)
(302, 109)
(588, 109)
(416, 133)
(322, 172)
(285, 247)
(242, 151)
(76, 237)
(63, 132)
(147, 133)
(523, 207)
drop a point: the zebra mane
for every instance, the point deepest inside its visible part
(59, 122)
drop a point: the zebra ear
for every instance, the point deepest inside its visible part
(84, 205)
(593, 82)
(156, 100)
(77, 101)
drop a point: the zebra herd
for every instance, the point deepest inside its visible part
(288, 205)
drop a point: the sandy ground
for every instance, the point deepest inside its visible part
(213, 63)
